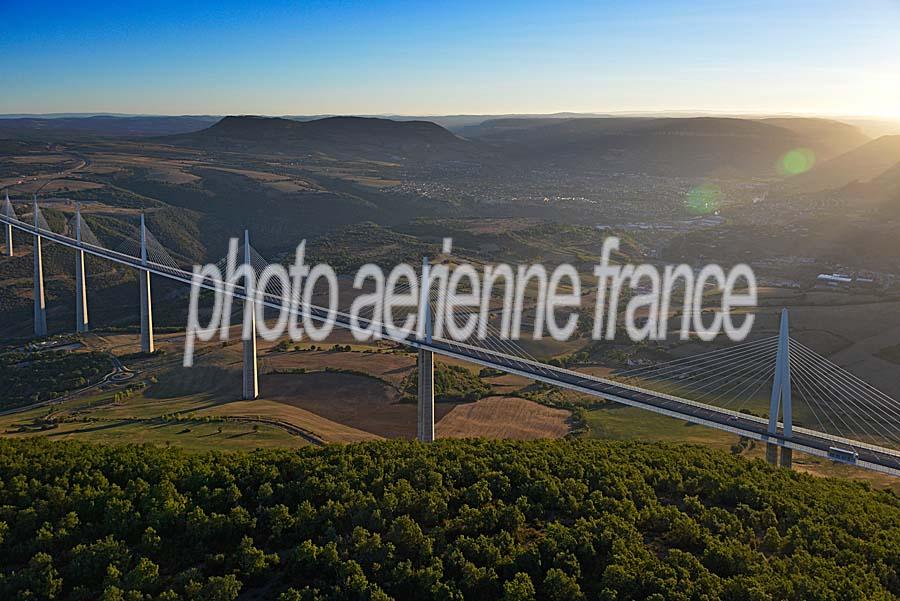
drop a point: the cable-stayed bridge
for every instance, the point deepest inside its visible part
(812, 405)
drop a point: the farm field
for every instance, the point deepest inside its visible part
(316, 396)
(194, 436)
(309, 394)
(503, 417)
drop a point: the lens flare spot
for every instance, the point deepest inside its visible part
(797, 161)
(704, 199)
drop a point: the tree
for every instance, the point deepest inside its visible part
(41, 578)
(460, 519)
(220, 588)
(251, 560)
(559, 586)
(144, 576)
(519, 588)
(410, 540)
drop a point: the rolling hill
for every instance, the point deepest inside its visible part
(340, 137)
(863, 164)
(697, 146)
(830, 138)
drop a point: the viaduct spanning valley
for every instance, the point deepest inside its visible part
(774, 432)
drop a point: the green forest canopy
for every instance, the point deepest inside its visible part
(558, 520)
(452, 383)
(33, 377)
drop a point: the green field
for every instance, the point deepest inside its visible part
(190, 435)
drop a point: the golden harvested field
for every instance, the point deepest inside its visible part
(323, 428)
(392, 367)
(360, 402)
(504, 417)
(508, 383)
(274, 180)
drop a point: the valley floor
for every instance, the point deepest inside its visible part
(317, 396)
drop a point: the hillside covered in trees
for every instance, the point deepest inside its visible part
(33, 377)
(558, 520)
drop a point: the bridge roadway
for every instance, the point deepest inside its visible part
(809, 441)
(871, 456)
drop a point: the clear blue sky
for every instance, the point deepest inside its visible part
(310, 57)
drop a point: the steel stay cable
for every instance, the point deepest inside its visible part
(730, 356)
(834, 371)
(753, 356)
(676, 363)
(750, 369)
(802, 362)
(846, 373)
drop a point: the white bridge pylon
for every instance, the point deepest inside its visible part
(425, 367)
(147, 343)
(781, 396)
(81, 311)
(9, 213)
(250, 372)
(40, 305)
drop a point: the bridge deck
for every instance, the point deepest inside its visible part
(817, 443)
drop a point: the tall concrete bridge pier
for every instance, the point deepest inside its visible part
(250, 369)
(40, 305)
(147, 344)
(8, 227)
(425, 401)
(425, 366)
(81, 311)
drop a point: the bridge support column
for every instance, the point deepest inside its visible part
(787, 457)
(781, 396)
(425, 405)
(40, 307)
(250, 370)
(81, 312)
(251, 375)
(9, 229)
(425, 362)
(147, 344)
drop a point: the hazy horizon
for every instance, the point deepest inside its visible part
(686, 113)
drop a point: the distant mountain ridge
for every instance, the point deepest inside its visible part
(831, 137)
(329, 128)
(865, 163)
(689, 146)
(670, 146)
(346, 137)
(100, 126)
